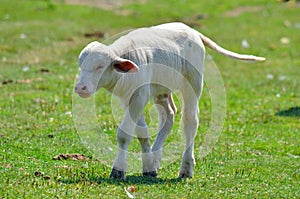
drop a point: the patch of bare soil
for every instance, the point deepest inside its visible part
(242, 9)
(105, 4)
(114, 5)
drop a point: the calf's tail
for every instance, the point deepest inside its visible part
(211, 44)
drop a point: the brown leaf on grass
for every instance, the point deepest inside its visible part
(44, 70)
(131, 189)
(128, 193)
(46, 177)
(5, 165)
(7, 81)
(38, 174)
(74, 156)
(96, 34)
(41, 174)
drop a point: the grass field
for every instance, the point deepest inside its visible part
(257, 154)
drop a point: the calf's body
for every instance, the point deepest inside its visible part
(151, 63)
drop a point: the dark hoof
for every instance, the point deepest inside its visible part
(150, 174)
(116, 174)
(185, 175)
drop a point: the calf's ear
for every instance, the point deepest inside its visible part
(125, 66)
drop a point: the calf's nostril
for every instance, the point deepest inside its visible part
(84, 88)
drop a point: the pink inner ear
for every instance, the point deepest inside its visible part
(128, 66)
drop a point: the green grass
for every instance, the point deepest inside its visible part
(257, 155)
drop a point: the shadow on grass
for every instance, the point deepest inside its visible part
(291, 112)
(137, 180)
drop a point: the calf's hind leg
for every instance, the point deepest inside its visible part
(190, 126)
(166, 110)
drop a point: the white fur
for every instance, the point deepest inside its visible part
(166, 57)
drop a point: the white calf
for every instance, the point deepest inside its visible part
(151, 63)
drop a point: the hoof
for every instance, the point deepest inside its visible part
(150, 174)
(116, 174)
(185, 175)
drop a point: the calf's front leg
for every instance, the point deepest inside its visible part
(120, 164)
(125, 133)
(147, 156)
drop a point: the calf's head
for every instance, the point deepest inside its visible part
(99, 67)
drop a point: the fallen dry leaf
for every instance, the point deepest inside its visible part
(74, 156)
(5, 165)
(46, 177)
(131, 189)
(44, 70)
(96, 34)
(128, 193)
(38, 173)
(7, 81)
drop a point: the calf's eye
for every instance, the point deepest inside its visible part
(99, 67)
